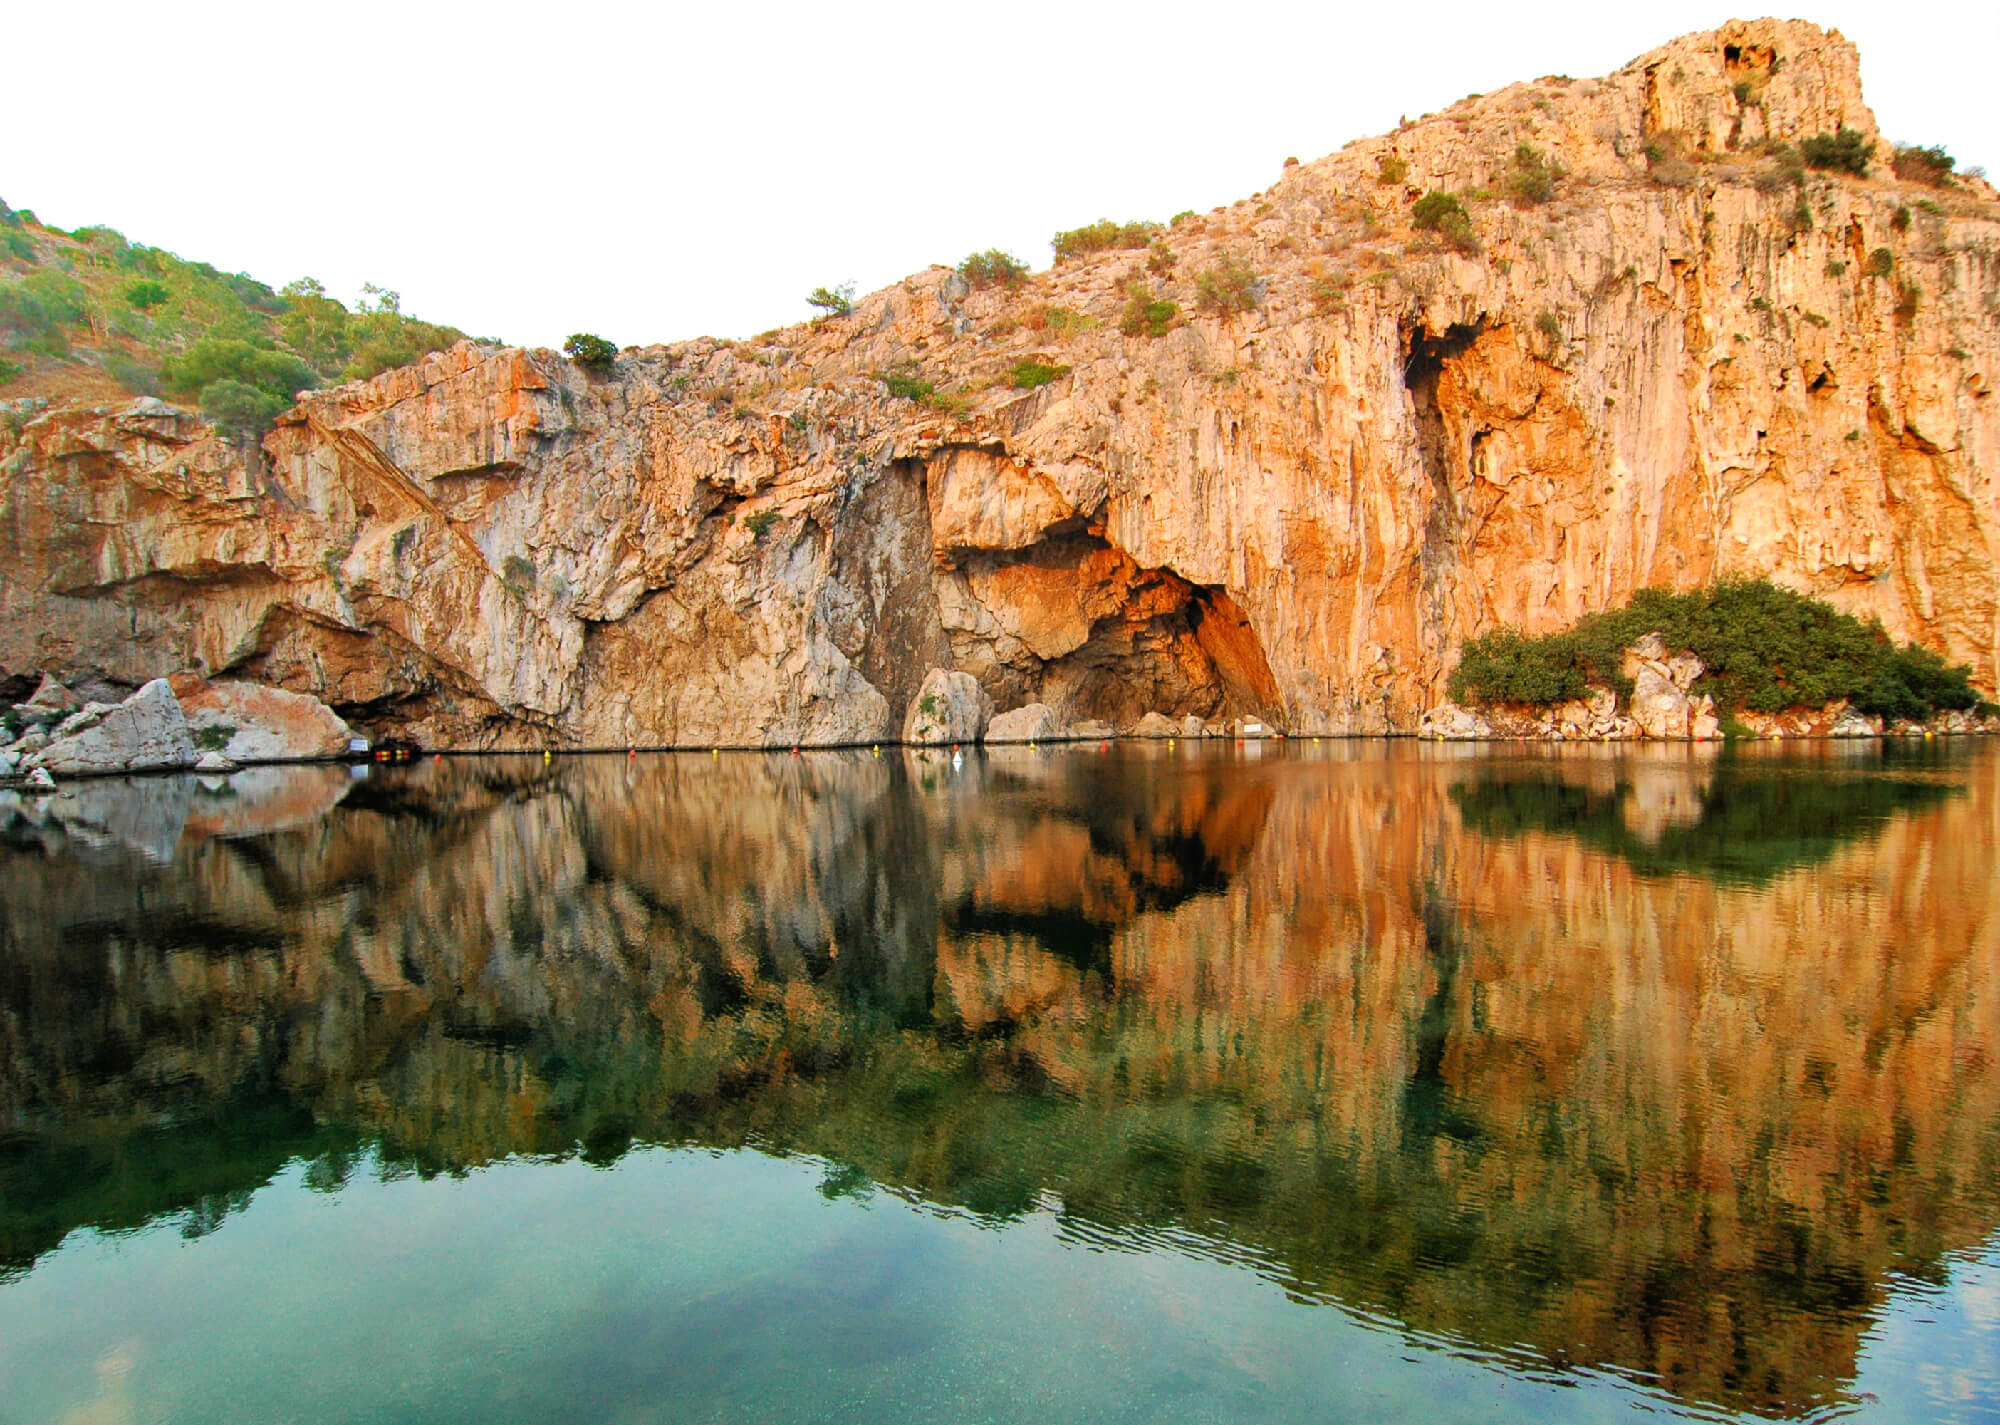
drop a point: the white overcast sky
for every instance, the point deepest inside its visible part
(658, 172)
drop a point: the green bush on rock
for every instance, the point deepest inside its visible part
(1764, 648)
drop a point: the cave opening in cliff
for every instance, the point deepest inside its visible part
(1423, 368)
(1079, 625)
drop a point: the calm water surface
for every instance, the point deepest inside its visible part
(1342, 1082)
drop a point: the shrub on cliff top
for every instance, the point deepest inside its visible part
(590, 351)
(993, 268)
(832, 301)
(1931, 166)
(1846, 151)
(1102, 236)
(240, 409)
(228, 360)
(1764, 648)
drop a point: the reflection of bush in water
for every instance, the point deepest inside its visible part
(201, 1167)
(1755, 822)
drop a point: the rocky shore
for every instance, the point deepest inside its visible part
(1664, 705)
(178, 724)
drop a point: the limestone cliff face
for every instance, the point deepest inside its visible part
(1686, 363)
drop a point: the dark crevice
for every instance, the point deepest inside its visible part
(1422, 368)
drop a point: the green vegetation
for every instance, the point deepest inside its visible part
(1102, 236)
(1881, 262)
(215, 737)
(832, 301)
(1900, 219)
(591, 352)
(1391, 168)
(760, 523)
(1066, 323)
(1846, 151)
(241, 410)
(1442, 213)
(37, 312)
(993, 268)
(1764, 649)
(1146, 313)
(1033, 372)
(907, 382)
(1229, 286)
(1533, 178)
(153, 323)
(1930, 166)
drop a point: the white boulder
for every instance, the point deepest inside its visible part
(1036, 722)
(145, 733)
(949, 707)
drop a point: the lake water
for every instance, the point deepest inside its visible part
(1352, 1081)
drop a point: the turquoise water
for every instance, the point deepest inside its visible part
(1347, 1082)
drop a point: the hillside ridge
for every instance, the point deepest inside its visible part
(1505, 365)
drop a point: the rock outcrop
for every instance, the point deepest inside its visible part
(145, 733)
(1037, 722)
(949, 707)
(246, 722)
(1671, 356)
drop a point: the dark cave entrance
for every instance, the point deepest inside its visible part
(1093, 634)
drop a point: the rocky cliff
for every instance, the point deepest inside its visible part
(1656, 351)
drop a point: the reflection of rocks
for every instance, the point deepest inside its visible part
(144, 813)
(1668, 793)
(1316, 1006)
(257, 801)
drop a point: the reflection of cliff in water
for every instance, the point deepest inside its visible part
(1737, 817)
(1508, 1090)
